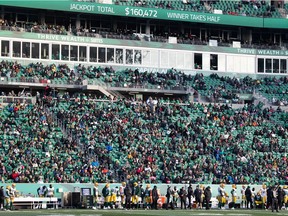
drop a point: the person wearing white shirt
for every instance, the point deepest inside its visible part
(263, 193)
(95, 195)
(243, 202)
(50, 192)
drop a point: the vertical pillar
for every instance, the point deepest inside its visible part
(42, 18)
(250, 37)
(147, 28)
(78, 23)
(115, 26)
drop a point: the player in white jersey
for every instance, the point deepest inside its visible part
(263, 193)
(113, 197)
(50, 192)
(234, 196)
(95, 195)
(243, 197)
(13, 190)
(121, 193)
(222, 196)
(12, 195)
(147, 197)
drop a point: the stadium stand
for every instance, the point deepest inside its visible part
(124, 34)
(154, 141)
(76, 136)
(214, 87)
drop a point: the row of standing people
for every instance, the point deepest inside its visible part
(202, 197)
(130, 195)
(273, 197)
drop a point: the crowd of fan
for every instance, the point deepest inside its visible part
(154, 141)
(258, 8)
(213, 87)
(33, 27)
(26, 140)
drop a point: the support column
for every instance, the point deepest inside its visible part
(115, 26)
(147, 28)
(78, 23)
(42, 18)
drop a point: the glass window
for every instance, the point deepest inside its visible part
(26, 47)
(119, 56)
(137, 57)
(44, 51)
(16, 49)
(213, 62)
(5, 48)
(129, 56)
(180, 59)
(154, 58)
(101, 55)
(283, 66)
(268, 64)
(275, 65)
(260, 65)
(64, 52)
(197, 61)
(146, 57)
(82, 54)
(110, 55)
(172, 59)
(73, 53)
(93, 54)
(35, 50)
(164, 58)
(55, 52)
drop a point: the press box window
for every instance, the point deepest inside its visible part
(55, 52)
(82, 53)
(93, 54)
(260, 65)
(44, 51)
(283, 66)
(5, 48)
(16, 48)
(65, 52)
(26, 47)
(197, 61)
(73, 53)
(213, 62)
(35, 50)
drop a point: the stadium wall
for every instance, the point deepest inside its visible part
(112, 52)
(31, 188)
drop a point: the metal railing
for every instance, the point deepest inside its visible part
(14, 99)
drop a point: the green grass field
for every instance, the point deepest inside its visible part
(79, 212)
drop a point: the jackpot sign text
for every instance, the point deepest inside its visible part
(145, 13)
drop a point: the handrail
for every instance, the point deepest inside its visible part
(21, 99)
